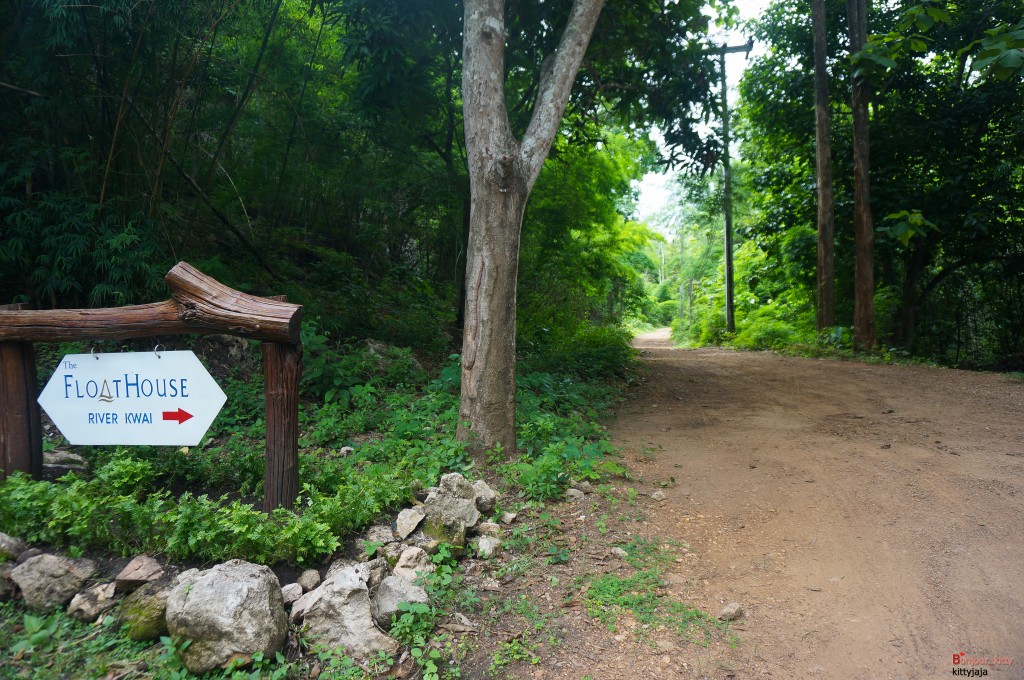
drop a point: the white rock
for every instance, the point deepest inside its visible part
(380, 533)
(48, 581)
(309, 580)
(232, 610)
(11, 546)
(486, 497)
(337, 614)
(574, 495)
(731, 612)
(658, 495)
(584, 486)
(488, 529)
(488, 547)
(408, 520)
(455, 485)
(91, 602)
(140, 571)
(290, 593)
(392, 592)
(413, 563)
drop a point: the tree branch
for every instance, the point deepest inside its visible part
(555, 87)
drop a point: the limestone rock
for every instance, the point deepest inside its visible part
(486, 497)
(619, 552)
(584, 486)
(371, 572)
(27, 554)
(379, 533)
(48, 581)
(392, 592)
(392, 552)
(91, 602)
(574, 495)
(488, 529)
(658, 495)
(309, 580)
(448, 517)
(446, 529)
(455, 485)
(408, 520)
(731, 612)
(142, 614)
(290, 593)
(234, 609)
(140, 571)
(337, 565)
(11, 547)
(488, 547)
(413, 563)
(509, 517)
(375, 571)
(337, 614)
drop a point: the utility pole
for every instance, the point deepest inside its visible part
(730, 313)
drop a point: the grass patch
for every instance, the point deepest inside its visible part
(641, 596)
(52, 646)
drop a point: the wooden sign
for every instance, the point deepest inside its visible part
(135, 398)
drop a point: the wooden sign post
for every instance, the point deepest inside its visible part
(198, 305)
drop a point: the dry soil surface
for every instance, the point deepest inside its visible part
(869, 518)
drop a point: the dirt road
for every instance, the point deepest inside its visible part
(870, 519)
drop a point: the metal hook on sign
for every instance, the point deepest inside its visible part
(156, 350)
(92, 352)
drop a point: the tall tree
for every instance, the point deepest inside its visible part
(823, 154)
(864, 275)
(502, 171)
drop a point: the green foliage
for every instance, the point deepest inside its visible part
(944, 275)
(90, 514)
(39, 634)
(52, 646)
(905, 225)
(337, 376)
(999, 52)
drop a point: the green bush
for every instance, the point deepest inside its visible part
(764, 333)
(593, 352)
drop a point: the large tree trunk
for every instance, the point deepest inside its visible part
(823, 148)
(864, 275)
(502, 171)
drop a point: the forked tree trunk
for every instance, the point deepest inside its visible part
(488, 400)
(823, 148)
(864, 274)
(502, 171)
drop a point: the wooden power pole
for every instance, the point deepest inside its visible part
(730, 307)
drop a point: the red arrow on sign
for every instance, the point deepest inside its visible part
(181, 415)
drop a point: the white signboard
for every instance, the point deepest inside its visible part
(139, 398)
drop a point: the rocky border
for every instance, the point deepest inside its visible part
(236, 609)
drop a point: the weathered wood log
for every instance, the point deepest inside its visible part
(199, 304)
(282, 371)
(21, 438)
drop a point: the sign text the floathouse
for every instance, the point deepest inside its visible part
(137, 398)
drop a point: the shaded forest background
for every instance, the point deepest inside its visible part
(318, 152)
